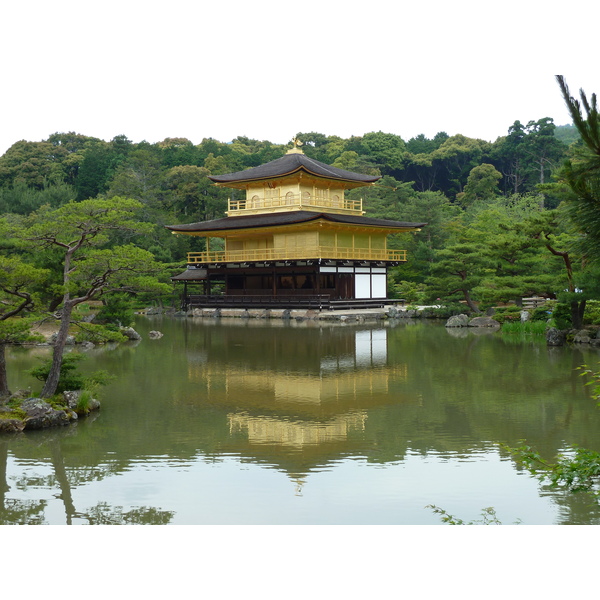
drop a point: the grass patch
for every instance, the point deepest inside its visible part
(525, 328)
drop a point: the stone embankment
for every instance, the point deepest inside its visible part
(352, 315)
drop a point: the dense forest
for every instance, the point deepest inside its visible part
(496, 230)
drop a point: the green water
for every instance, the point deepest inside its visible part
(254, 422)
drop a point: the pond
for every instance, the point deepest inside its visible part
(238, 421)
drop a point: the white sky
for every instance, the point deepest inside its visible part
(268, 69)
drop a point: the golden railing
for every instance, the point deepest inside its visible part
(305, 253)
(294, 201)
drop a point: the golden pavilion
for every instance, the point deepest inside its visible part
(293, 241)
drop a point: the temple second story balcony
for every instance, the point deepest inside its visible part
(285, 254)
(305, 201)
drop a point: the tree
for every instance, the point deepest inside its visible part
(91, 265)
(193, 194)
(482, 184)
(521, 265)
(458, 269)
(16, 300)
(582, 171)
(542, 147)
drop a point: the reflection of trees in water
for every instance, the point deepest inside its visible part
(103, 514)
(12, 511)
(31, 512)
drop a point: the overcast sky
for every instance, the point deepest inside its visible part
(269, 69)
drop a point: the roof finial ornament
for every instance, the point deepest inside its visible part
(296, 149)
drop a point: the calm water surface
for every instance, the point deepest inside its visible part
(254, 422)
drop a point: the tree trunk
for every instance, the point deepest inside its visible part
(470, 303)
(59, 348)
(577, 312)
(4, 391)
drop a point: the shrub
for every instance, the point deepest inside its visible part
(562, 316)
(70, 378)
(116, 310)
(449, 310)
(98, 334)
(413, 293)
(507, 314)
(543, 313)
(592, 312)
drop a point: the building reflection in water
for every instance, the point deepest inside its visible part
(297, 393)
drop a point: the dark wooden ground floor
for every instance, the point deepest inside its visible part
(300, 284)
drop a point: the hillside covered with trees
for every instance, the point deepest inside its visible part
(497, 230)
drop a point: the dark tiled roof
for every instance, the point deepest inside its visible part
(190, 275)
(288, 218)
(290, 163)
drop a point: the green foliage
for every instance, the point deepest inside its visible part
(542, 313)
(524, 328)
(507, 314)
(593, 380)
(117, 309)
(578, 471)
(592, 312)
(447, 310)
(86, 396)
(98, 334)
(488, 517)
(413, 293)
(70, 378)
(482, 184)
(582, 171)
(561, 316)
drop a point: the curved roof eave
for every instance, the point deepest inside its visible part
(289, 218)
(290, 164)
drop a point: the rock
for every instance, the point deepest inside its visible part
(555, 337)
(87, 345)
(581, 337)
(524, 316)
(483, 322)
(457, 321)
(41, 415)
(72, 399)
(11, 425)
(21, 395)
(237, 313)
(130, 333)
(70, 341)
(155, 335)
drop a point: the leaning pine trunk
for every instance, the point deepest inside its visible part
(59, 348)
(470, 302)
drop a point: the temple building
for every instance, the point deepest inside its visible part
(294, 240)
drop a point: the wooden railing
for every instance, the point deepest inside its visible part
(293, 202)
(281, 254)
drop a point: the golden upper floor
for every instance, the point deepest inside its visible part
(294, 182)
